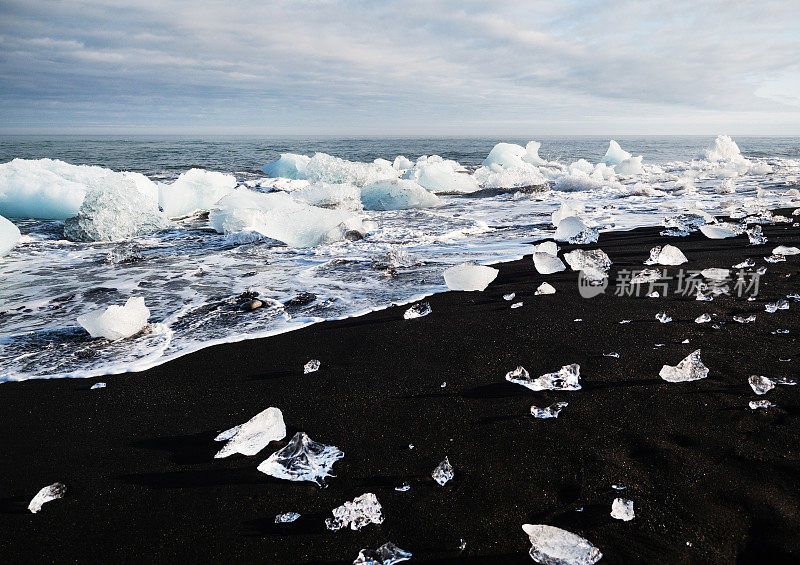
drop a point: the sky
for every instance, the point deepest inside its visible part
(463, 67)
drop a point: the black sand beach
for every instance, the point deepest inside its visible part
(712, 481)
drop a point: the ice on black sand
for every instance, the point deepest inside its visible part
(311, 366)
(760, 384)
(95, 386)
(554, 546)
(286, 517)
(663, 317)
(387, 554)
(772, 307)
(48, 493)
(702, 319)
(362, 511)
(551, 411)
(254, 435)
(469, 276)
(622, 509)
(756, 404)
(302, 460)
(566, 378)
(667, 255)
(545, 288)
(689, 369)
(417, 311)
(443, 473)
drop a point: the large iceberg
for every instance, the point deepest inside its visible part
(196, 189)
(400, 194)
(50, 189)
(281, 217)
(441, 175)
(289, 166)
(116, 322)
(9, 236)
(114, 213)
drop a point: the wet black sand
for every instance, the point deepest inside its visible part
(711, 480)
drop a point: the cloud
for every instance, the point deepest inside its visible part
(398, 67)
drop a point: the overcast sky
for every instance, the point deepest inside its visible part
(432, 67)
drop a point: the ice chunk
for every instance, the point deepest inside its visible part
(400, 194)
(566, 378)
(289, 166)
(554, 546)
(532, 153)
(785, 250)
(551, 411)
(113, 213)
(716, 274)
(9, 236)
(745, 320)
(402, 163)
(663, 317)
(756, 235)
(689, 369)
(717, 231)
(443, 472)
(646, 276)
(549, 247)
(504, 156)
(311, 367)
(254, 435)
(572, 229)
(469, 276)
(417, 311)
(302, 460)
(196, 189)
(775, 258)
(440, 175)
(522, 176)
(630, 166)
(116, 322)
(95, 386)
(615, 154)
(545, 288)
(760, 384)
(510, 296)
(362, 511)
(667, 255)
(547, 264)
(772, 307)
(48, 493)
(387, 554)
(746, 264)
(326, 168)
(279, 216)
(756, 404)
(566, 210)
(327, 195)
(585, 259)
(723, 149)
(286, 517)
(516, 305)
(622, 509)
(394, 259)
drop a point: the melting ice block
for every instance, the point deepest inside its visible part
(615, 154)
(718, 231)
(387, 554)
(566, 378)
(196, 189)
(572, 229)
(689, 369)
(443, 472)
(549, 247)
(469, 276)
(327, 168)
(760, 384)
(312, 366)
(254, 435)
(551, 411)
(785, 250)
(622, 509)
(117, 322)
(583, 259)
(286, 517)
(546, 263)
(302, 460)
(48, 493)
(667, 255)
(397, 194)
(554, 546)
(756, 404)
(289, 166)
(772, 307)
(9, 236)
(362, 511)
(566, 210)
(441, 175)
(545, 288)
(417, 311)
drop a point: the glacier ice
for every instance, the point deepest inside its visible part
(630, 166)
(312, 366)
(756, 404)
(441, 175)
(417, 311)
(397, 194)
(289, 166)
(254, 435)
(667, 255)
(760, 384)
(756, 235)
(510, 296)
(281, 217)
(554, 546)
(689, 369)
(402, 163)
(585, 259)
(523, 176)
(718, 231)
(113, 213)
(46, 494)
(469, 276)
(443, 472)
(116, 322)
(516, 305)
(9, 236)
(532, 153)
(513, 156)
(567, 209)
(786, 250)
(545, 288)
(328, 195)
(302, 460)
(566, 378)
(387, 554)
(195, 189)
(546, 264)
(551, 411)
(723, 149)
(622, 509)
(549, 247)
(327, 168)
(286, 517)
(572, 229)
(615, 154)
(362, 511)
(50, 189)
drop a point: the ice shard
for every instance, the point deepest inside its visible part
(302, 460)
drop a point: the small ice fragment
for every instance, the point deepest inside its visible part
(612, 354)
(653, 294)
(417, 311)
(663, 317)
(547, 264)
(554, 546)
(784, 381)
(775, 258)
(254, 435)
(116, 322)
(618, 487)
(578, 320)
(784, 250)
(659, 345)
(545, 288)
(756, 235)
(516, 305)
(462, 545)
(703, 297)
(781, 332)
(685, 341)
(743, 320)
(566, 378)
(444, 384)
(404, 488)
(311, 367)
(746, 264)
(302, 460)
(411, 446)
(624, 321)
(756, 404)
(48, 493)
(646, 276)
(362, 511)
(286, 517)
(689, 369)
(772, 307)
(509, 297)
(551, 411)
(443, 473)
(794, 296)
(760, 384)
(622, 509)
(469, 277)
(761, 270)
(667, 255)
(97, 385)
(387, 554)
